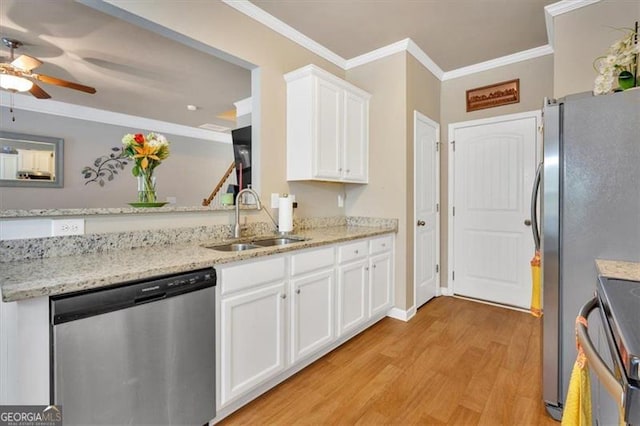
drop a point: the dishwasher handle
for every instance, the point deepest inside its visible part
(599, 367)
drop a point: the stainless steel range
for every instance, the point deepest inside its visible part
(619, 305)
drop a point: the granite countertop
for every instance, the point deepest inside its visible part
(57, 275)
(619, 269)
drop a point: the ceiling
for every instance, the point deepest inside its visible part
(454, 33)
(139, 72)
(135, 71)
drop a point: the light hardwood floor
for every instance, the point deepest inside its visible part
(456, 362)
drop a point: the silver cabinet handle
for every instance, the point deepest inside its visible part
(340, 169)
(348, 171)
(284, 295)
(421, 223)
(355, 251)
(527, 222)
(366, 268)
(298, 291)
(374, 266)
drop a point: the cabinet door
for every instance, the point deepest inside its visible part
(352, 295)
(42, 161)
(26, 159)
(356, 138)
(380, 283)
(328, 134)
(8, 166)
(252, 339)
(312, 319)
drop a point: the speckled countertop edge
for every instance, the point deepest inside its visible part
(619, 269)
(52, 276)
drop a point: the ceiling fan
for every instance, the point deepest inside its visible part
(17, 75)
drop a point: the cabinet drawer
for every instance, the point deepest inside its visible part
(245, 275)
(378, 245)
(312, 260)
(353, 251)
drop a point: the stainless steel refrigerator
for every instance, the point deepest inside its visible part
(589, 209)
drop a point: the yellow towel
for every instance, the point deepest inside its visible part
(536, 305)
(577, 408)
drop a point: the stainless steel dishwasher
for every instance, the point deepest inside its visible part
(140, 353)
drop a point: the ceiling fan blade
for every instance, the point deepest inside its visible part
(38, 92)
(64, 83)
(26, 62)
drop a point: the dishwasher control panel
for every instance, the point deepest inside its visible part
(83, 304)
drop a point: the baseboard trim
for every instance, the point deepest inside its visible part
(446, 291)
(402, 315)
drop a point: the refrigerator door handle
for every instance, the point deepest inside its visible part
(534, 206)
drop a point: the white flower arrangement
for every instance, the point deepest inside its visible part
(622, 57)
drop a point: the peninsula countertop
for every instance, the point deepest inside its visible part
(619, 269)
(27, 279)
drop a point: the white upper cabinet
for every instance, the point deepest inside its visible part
(327, 127)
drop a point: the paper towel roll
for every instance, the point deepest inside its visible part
(285, 214)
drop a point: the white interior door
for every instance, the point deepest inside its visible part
(493, 164)
(426, 201)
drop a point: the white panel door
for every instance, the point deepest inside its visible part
(380, 283)
(312, 318)
(494, 170)
(352, 295)
(252, 339)
(328, 130)
(356, 128)
(427, 217)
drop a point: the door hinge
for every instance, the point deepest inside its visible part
(437, 207)
(437, 268)
(437, 146)
(454, 145)
(453, 275)
(454, 210)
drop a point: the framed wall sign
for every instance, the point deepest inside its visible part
(507, 92)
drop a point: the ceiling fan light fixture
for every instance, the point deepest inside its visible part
(15, 83)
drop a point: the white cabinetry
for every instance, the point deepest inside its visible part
(8, 166)
(352, 286)
(312, 301)
(380, 275)
(252, 313)
(327, 127)
(34, 160)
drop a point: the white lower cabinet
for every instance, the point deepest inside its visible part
(279, 313)
(380, 289)
(253, 339)
(312, 318)
(352, 295)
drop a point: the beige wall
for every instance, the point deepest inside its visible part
(218, 25)
(536, 82)
(583, 35)
(385, 195)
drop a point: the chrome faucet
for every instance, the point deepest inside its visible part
(236, 231)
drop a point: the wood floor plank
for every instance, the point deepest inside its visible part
(457, 362)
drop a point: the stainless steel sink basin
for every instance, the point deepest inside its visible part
(234, 247)
(277, 241)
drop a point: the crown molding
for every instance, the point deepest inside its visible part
(254, 12)
(374, 55)
(48, 106)
(499, 62)
(424, 59)
(559, 8)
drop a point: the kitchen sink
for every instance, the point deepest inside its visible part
(234, 247)
(277, 241)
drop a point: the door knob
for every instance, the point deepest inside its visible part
(527, 222)
(421, 223)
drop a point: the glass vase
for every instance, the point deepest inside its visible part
(626, 80)
(146, 188)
